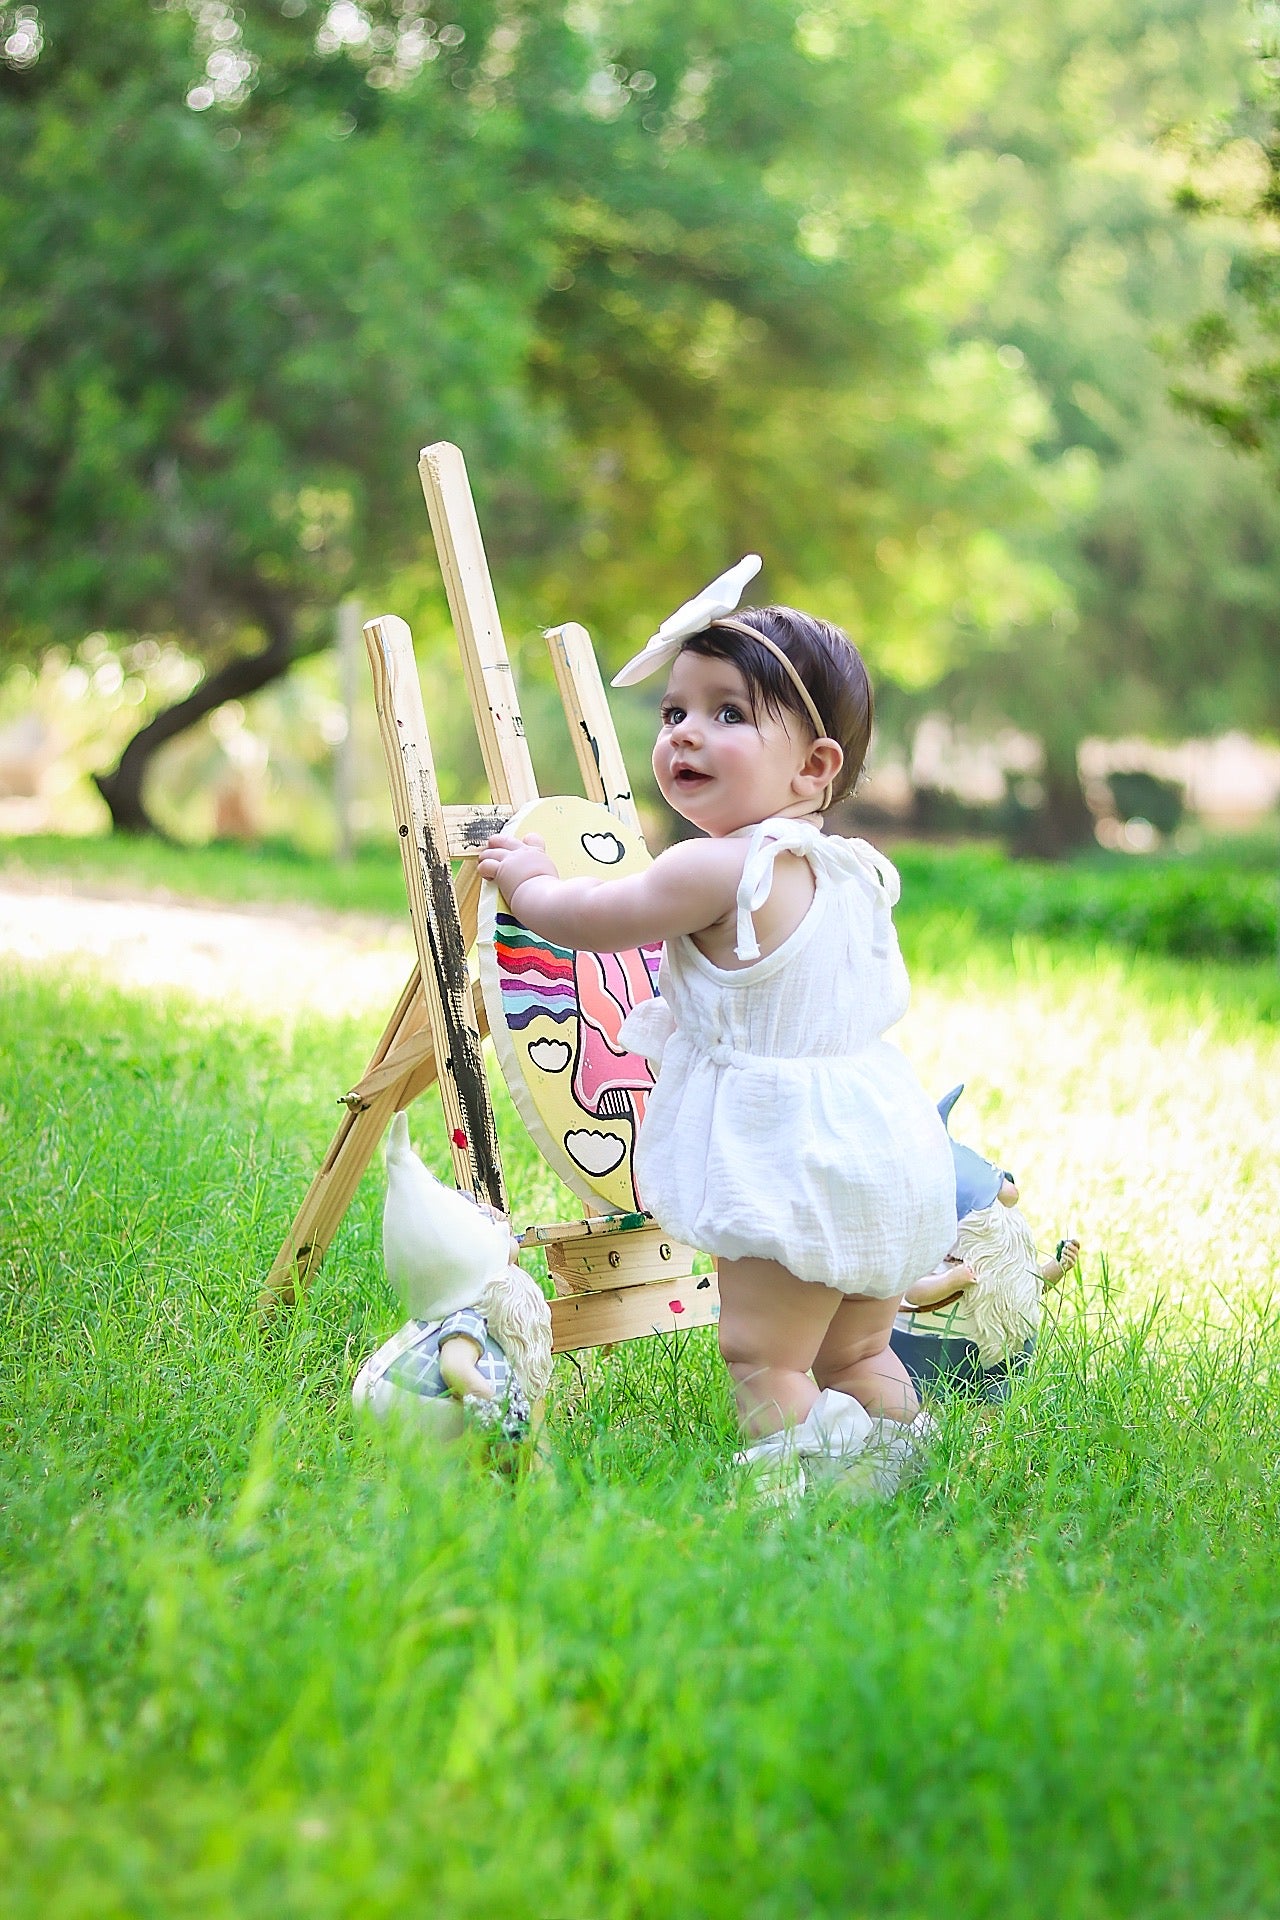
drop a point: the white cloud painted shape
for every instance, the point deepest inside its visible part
(604, 847)
(595, 1153)
(550, 1056)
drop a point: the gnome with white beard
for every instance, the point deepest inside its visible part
(477, 1345)
(973, 1320)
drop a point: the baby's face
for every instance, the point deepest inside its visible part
(720, 760)
(1008, 1194)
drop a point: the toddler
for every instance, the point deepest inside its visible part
(785, 1135)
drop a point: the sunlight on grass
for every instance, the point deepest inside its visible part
(258, 1660)
(1137, 1101)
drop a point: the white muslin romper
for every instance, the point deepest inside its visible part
(783, 1125)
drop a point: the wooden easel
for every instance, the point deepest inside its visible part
(617, 1276)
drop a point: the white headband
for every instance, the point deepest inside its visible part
(714, 607)
(740, 626)
(753, 633)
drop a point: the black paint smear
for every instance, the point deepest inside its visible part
(464, 1062)
(477, 832)
(594, 744)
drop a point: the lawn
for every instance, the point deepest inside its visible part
(255, 1660)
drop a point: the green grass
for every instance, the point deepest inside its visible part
(256, 1660)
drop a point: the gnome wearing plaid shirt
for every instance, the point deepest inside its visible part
(477, 1345)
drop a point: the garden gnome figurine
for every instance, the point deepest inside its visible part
(973, 1320)
(478, 1341)
(438, 1246)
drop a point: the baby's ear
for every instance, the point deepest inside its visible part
(824, 761)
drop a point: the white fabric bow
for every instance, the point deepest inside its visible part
(647, 1029)
(839, 858)
(695, 616)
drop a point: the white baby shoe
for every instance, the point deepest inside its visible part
(774, 1474)
(837, 1445)
(865, 1458)
(837, 1427)
(892, 1455)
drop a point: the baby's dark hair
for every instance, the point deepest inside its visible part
(826, 660)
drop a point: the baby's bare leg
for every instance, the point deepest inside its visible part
(771, 1328)
(855, 1357)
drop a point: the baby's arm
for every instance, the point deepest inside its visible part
(687, 889)
(458, 1355)
(943, 1283)
(1051, 1271)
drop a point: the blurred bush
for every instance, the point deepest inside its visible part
(1219, 904)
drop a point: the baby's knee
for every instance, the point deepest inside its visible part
(739, 1351)
(866, 1346)
(835, 1361)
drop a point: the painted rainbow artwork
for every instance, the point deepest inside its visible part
(535, 977)
(555, 1013)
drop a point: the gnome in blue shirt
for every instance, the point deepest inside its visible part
(973, 1320)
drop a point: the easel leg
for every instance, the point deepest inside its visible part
(401, 1067)
(435, 908)
(350, 1151)
(591, 728)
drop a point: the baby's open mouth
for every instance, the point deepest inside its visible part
(690, 777)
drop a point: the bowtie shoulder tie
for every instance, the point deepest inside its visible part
(840, 860)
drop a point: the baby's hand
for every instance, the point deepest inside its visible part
(511, 862)
(1069, 1255)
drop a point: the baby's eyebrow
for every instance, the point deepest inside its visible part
(718, 691)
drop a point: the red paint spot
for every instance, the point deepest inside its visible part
(676, 1306)
(458, 1137)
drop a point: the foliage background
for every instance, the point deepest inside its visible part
(895, 295)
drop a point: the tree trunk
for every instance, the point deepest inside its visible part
(246, 674)
(1062, 824)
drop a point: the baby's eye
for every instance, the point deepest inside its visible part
(732, 716)
(672, 716)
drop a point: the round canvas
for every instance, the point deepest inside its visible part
(554, 1014)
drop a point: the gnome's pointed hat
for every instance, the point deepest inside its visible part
(978, 1182)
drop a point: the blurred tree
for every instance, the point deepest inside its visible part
(221, 326)
(1064, 165)
(1232, 350)
(656, 263)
